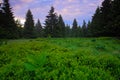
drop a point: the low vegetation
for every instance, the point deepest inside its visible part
(60, 59)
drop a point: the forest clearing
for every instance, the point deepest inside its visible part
(60, 59)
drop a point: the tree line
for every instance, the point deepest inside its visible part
(105, 22)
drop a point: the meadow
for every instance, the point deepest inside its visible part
(60, 59)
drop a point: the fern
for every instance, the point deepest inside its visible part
(35, 62)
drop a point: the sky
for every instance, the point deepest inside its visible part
(69, 9)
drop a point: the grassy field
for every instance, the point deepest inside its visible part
(60, 59)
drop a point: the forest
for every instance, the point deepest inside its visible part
(58, 51)
(105, 23)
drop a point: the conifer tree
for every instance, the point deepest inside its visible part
(96, 28)
(89, 28)
(39, 29)
(115, 22)
(105, 17)
(61, 25)
(79, 31)
(74, 28)
(20, 28)
(51, 24)
(8, 22)
(29, 29)
(67, 31)
(2, 21)
(84, 29)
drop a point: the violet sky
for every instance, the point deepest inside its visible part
(69, 9)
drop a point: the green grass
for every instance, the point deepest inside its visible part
(60, 59)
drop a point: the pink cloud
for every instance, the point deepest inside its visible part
(27, 1)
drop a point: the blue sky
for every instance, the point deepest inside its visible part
(69, 9)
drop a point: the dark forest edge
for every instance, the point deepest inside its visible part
(105, 23)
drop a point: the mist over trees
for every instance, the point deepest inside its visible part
(105, 22)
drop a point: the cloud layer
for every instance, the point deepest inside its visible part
(69, 9)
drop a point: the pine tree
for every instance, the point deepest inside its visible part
(89, 28)
(84, 29)
(29, 29)
(105, 17)
(115, 22)
(74, 28)
(2, 22)
(79, 31)
(51, 24)
(67, 31)
(20, 28)
(39, 29)
(2, 14)
(61, 25)
(96, 28)
(8, 23)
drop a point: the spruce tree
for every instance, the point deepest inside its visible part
(2, 22)
(51, 24)
(29, 29)
(61, 25)
(105, 17)
(115, 22)
(79, 31)
(74, 28)
(39, 29)
(84, 29)
(89, 33)
(8, 22)
(96, 28)
(20, 28)
(67, 31)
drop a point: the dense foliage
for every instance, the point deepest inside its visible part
(60, 59)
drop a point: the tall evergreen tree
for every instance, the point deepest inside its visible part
(61, 25)
(105, 17)
(79, 31)
(29, 29)
(2, 21)
(84, 29)
(89, 33)
(74, 28)
(96, 28)
(8, 23)
(67, 31)
(115, 22)
(104, 20)
(20, 28)
(51, 24)
(39, 29)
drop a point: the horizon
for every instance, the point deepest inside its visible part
(83, 9)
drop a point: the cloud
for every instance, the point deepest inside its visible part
(85, 1)
(22, 20)
(69, 9)
(27, 1)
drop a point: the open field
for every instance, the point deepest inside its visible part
(60, 59)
